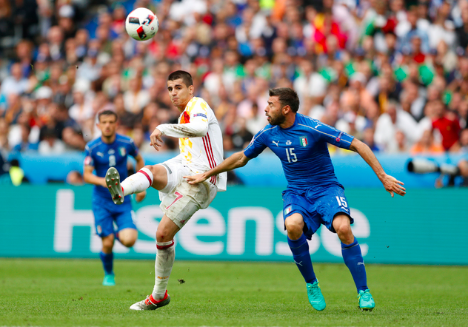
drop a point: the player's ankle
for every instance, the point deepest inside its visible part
(156, 298)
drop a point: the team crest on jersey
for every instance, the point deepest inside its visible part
(287, 210)
(304, 141)
(122, 151)
(99, 229)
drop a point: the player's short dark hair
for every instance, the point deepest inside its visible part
(287, 97)
(185, 76)
(107, 112)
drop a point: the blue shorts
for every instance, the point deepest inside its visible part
(105, 214)
(316, 209)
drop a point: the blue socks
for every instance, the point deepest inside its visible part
(352, 257)
(107, 262)
(300, 250)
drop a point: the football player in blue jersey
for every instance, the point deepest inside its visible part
(314, 196)
(111, 150)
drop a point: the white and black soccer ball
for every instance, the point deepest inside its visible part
(141, 24)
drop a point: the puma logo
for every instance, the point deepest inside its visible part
(360, 263)
(276, 143)
(298, 263)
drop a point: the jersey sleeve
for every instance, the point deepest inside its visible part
(89, 160)
(199, 113)
(334, 136)
(256, 146)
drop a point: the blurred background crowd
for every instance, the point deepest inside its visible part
(392, 73)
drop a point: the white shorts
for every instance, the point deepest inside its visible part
(179, 199)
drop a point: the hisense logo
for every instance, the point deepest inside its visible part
(249, 231)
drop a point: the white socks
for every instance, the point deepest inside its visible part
(138, 182)
(164, 261)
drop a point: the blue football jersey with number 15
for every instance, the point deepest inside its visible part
(302, 149)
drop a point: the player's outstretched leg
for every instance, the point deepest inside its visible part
(353, 259)
(165, 257)
(300, 249)
(135, 183)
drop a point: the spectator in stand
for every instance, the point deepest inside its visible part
(427, 145)
(368, 138)
(389, 123)
(25, 145)
(446, 123)
(16, 83)
(51, 145)
(136, 98)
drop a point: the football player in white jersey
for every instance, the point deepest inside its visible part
(201, 149)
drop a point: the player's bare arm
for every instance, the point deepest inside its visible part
(90, 178)
(140, 163)
(238, 159)
(391, 184)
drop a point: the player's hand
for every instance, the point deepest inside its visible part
(156, 139)
(140, 196)
(392, 185)
(196, 179)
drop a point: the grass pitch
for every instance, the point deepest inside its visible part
(69, 293)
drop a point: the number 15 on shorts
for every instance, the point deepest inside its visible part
(342, 202)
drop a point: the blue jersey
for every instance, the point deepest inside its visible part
(303, 151)
(101, 156)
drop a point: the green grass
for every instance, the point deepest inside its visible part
(68, 293)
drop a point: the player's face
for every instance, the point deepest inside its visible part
(274, 111)
(108, 125)
(179, 92)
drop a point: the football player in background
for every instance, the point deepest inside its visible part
(314, 197)
(110, 150)
(201, 148)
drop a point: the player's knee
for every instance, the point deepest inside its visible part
(128, 243)
(344, 232)
(162, 236)
(294, 230)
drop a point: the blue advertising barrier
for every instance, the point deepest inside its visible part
(244, 223)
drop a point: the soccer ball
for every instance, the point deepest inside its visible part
(141, 24)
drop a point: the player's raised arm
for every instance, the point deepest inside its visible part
(197, 128)
(238, 159)
(391, 184)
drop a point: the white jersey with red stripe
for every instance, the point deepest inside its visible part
(200, 139)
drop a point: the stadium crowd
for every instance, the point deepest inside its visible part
(393, 73)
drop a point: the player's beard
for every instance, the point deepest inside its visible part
(278, 120)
